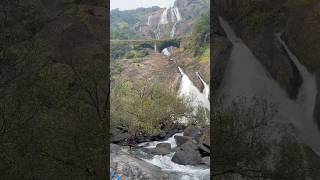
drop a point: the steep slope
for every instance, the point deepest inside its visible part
(158, 23)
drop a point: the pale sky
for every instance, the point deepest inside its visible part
(133, 4)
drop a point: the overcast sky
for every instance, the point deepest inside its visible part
(133, 4)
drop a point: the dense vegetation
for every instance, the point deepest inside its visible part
(145, 109)
(124, 51)
(200, 38)
(53, 106)
(122, 23)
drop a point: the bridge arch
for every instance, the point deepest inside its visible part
(167, 43)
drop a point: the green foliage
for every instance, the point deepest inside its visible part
(200, 35)
(122, 22)
(239, 131)
(145, 108)
(300, 3)
(201, 118)
(135, 54)
(123, 50)
(118, 50)
(290, 165)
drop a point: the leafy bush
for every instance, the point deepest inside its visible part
(239, 130)
(145, 108)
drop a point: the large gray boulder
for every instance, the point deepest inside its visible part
(181, 139)
(187, 154)
(162, 149)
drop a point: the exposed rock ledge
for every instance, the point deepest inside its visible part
(129, 167)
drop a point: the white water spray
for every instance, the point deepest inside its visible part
(189, 91)
(182, 171)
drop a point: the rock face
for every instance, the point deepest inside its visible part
(187, 154)
(129, 167)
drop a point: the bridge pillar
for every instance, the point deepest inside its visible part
(155, 46)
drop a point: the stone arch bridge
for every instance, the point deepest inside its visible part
(157, 44)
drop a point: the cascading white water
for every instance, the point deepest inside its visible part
(190, 91)
(149, 20)
(173, 30)
(166, 52)
(177, 13)
(245, 76)
(182, 172)
(164, 17)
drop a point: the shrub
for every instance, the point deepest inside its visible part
(145, 108)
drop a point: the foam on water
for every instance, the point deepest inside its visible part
(165, 163)
(153, 144)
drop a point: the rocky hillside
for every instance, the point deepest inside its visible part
(158, 22)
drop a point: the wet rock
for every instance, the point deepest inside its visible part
(120, 137)
(206, 160)
(187, 154)
(205, 138)
(129, 167)
(158, 137)
(192, 132)
(204, 150)
(181, 139)
(162, 149)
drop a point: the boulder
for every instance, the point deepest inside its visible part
(205, 138)
(187, 154)
(204, 150)
(120, 138)
(206, 160)
(158, 137)
(129, 167)
(192, 132)
(162, 149)
(181, 139)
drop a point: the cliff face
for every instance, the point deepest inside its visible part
(154, 22)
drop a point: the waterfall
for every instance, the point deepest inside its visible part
(173, 30)
(206, 89)
(149, 20)
(164, 17)
(166, 52)
(173, 16)
(177, 13)
(245, 76)
(189, 91)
